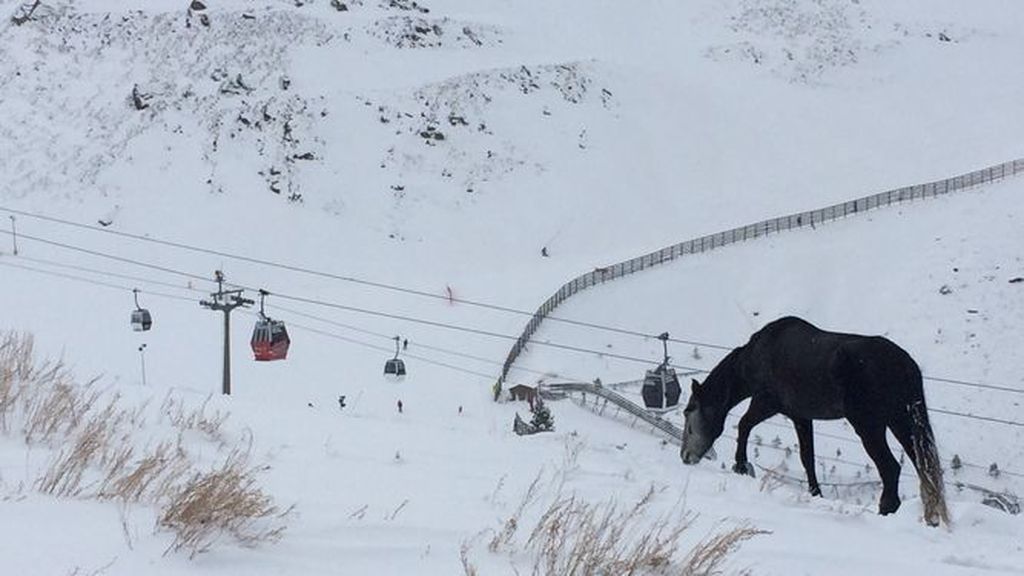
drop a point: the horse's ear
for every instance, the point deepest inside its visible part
(694, 385)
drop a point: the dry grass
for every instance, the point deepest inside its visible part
(14, 356)
(184, 418)
(708, 557)
(54, 406)
(89, 445)
(468, 568)
(504, 537)
(93, 439)
(572, 536)
(577, 537)
(149, 478)
(223, 501)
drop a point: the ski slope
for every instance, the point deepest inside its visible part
(294, 133)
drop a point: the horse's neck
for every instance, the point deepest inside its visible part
(738, 392)
(736, 387)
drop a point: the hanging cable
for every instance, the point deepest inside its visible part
(350, 279)
(422, 345)
(78, 268)
(93, 282)
(360, 310)
(96, 253)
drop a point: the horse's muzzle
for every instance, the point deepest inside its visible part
(691, 457)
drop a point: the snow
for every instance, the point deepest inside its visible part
(597, 129)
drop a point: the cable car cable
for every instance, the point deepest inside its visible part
(94, 282)
(357, 309)
(352, 279)
(106, 273)
(389, 287)
(418, 344)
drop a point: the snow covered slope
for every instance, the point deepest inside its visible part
(439, 146)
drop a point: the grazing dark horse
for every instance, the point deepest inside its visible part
(792, 368)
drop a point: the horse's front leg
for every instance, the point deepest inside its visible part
(805, 436)
(761, 408)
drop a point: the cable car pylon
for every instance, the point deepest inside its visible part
(225, 301)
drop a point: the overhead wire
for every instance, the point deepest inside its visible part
(344, 278)
(187, 299)
(381, 285)
(356, 309)
(416, 343)
(125, 288)
(435, 362)
(485, 376)
(94, 282)
(475, 331)
(324, 303)
(86, 269)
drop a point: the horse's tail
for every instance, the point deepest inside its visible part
(929, 467)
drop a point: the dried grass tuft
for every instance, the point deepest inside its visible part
(96, 456)
(223, 501)
(184, 418)
(577, 537)
(89, 446)
(708, 557)
(151, 478)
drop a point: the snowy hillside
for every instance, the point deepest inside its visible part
(401, 162)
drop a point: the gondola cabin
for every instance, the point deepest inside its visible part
(394, 367)
(661, 389)
(270, 340)
(142, 320)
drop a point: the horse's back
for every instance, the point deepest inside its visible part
(816, 373)
(879, 370)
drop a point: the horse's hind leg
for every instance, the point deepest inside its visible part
(873, 436)
(805, 435)
(761, 408)
(901, 430)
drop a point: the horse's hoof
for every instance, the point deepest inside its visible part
(745, 468)
(886, 507)
(815, 491)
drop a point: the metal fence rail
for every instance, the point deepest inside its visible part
(749, 232)
(674, 433)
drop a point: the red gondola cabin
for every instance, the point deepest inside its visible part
(270, 340)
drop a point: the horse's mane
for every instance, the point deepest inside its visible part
(718, 386)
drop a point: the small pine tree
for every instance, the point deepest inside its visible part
(542, 421)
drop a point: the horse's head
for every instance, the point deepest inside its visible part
(705, 419)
